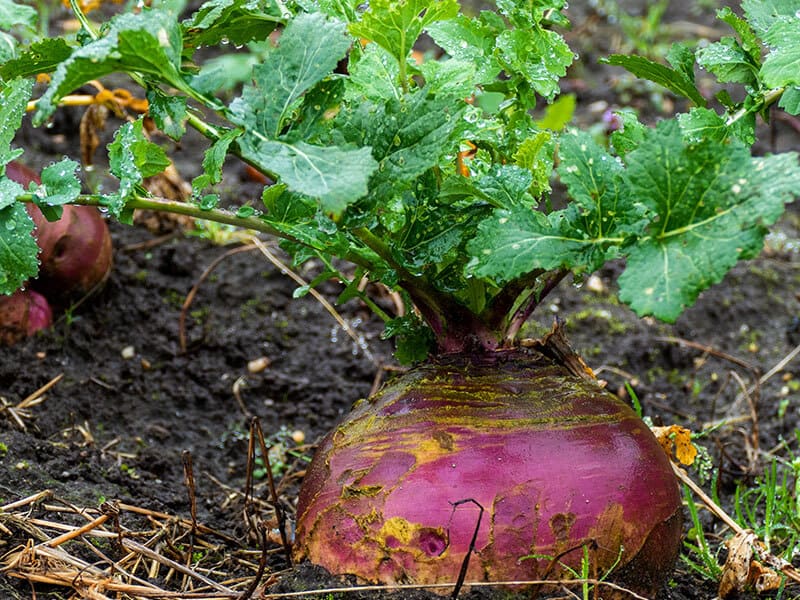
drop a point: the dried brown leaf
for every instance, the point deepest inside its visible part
(92, 121)
(737, 566)
(742, 572)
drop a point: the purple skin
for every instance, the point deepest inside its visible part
(22, 314)
(556, 462)
(76, 254)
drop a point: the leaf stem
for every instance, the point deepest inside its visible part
(769, 98)
(216, 215)
(83, 20)
(522, 314)
(455, 327)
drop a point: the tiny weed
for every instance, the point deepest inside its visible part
(700, 557)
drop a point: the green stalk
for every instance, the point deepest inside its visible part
(83, 20)
(191, 210)
(770, 97)
(455, 327)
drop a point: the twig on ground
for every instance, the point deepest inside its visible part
(752, 444)
(318, 297)
(193, 292)
(258, 433)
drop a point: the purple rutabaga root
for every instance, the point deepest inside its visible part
(558, 463)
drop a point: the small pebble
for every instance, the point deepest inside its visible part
(595, 284)
(258, 364)
(128, 352)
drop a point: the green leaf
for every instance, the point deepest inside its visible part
(453, 77)
(513, 242)
(524, 13)
(213, 160)
(506, 186)
(41, 57)
(414, 340)
(710, 204)
(374, 76)
(14, 97)
(593, 179)
(346, 10)
(703, 123)
(630, 136)
(396, 24)
(336, 176)
(762, 14)
(315, 115)
(471, 41)
(168, 113)
(231, 21)
(9, 190)
(309, 50)
(60, 185)
(434, 244)
(582, 237)
(18, 248)
(729, 62)
(224, 72)
(747, 37)
(540, 56)
(558, 114)
(790, 100)
(675, 81)
(12, 14)
(782, 65)
(407, 137)
(132, 157)
(682, 58)
(536, 154)
(148, 43)
(299, 219)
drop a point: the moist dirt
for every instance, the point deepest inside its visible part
(131, 406)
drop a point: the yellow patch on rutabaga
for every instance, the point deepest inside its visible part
(397, 528)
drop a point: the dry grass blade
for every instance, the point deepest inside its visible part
(59, 552)
(32, 499)
(21, 411)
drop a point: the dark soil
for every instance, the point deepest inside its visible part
(131, 403)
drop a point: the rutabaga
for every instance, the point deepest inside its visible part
(433, 178)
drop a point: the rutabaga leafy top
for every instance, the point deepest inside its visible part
(429, 173)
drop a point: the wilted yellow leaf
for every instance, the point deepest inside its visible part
(676, 441)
